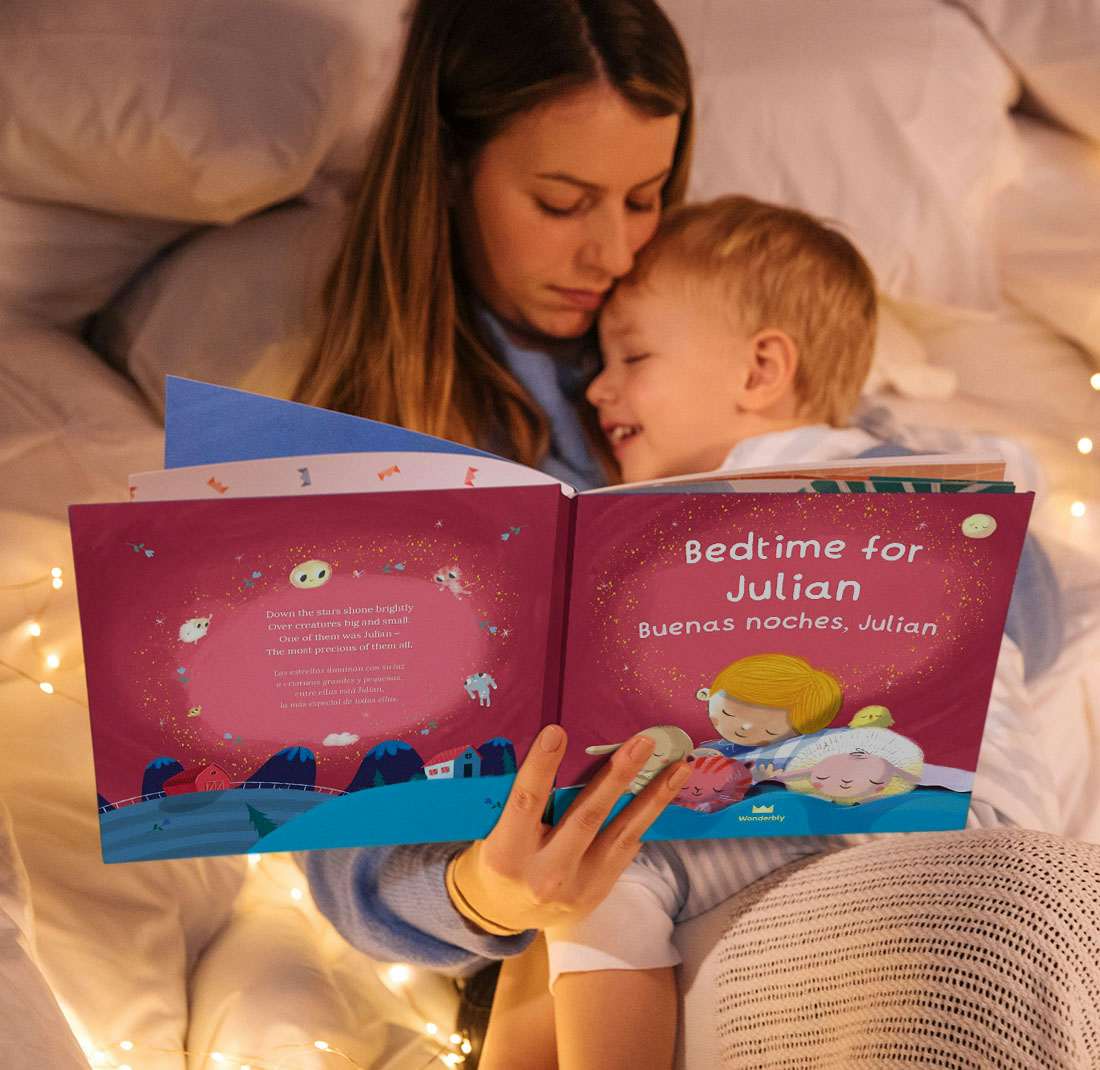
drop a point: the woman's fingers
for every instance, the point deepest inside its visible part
(520, 824)
(619, 842)
(589, 810)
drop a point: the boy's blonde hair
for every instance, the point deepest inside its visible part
(812, 697)
(784, 269)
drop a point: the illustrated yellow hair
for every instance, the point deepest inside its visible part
(812, 697)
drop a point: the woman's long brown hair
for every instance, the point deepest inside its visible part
(399, 340)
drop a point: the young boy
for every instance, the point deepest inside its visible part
(742, 338)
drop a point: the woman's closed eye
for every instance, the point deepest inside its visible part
(575, 209)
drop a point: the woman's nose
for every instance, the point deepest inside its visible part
(609, 248)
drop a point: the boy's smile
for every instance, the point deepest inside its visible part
(667, 394)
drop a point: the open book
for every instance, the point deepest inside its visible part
(347, 645)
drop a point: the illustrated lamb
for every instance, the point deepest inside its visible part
(855, 765)
(670, 744)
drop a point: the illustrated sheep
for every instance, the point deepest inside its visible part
(854, 766)
(670, 744)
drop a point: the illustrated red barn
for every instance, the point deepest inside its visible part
(200, 778)
(461, 761)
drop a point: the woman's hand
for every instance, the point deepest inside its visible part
(528, 875)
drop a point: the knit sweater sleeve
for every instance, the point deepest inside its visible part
(392, 904)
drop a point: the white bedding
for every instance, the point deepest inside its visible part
(162, 953)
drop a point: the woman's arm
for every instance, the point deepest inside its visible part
(392, 904)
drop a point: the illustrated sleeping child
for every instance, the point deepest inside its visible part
(854, 765)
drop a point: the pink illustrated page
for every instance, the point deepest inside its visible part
(280, 646)
(886, 609)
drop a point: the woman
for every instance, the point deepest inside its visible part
(529, 149)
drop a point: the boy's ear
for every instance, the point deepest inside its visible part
(772, 365)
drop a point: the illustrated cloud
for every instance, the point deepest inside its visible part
(341, 739)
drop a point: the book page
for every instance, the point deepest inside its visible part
(977, 467)
(888, 607)
(334, 473)
(273, 674)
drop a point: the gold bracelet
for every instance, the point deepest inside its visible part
(467, 909)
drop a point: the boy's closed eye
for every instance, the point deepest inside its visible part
(636, 358)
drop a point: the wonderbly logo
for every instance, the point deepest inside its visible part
(763, 812)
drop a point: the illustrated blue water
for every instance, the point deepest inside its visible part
(243, 820)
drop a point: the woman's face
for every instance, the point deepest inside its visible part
(555, 207)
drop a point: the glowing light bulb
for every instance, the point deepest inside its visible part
(321, 1045)
(34, 628)
(466, 1046)
(1078, 509)
(127, 1045)
(52, 661)
(1094, 381)
(431, 1028)
(217, 1057)
(400, 973)
(46, 686)
(57, 583)
(1084, 445)
(253, 860)
(296, 894)
(455, 1038)
(55, 572)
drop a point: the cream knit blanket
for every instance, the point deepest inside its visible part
(972, 951)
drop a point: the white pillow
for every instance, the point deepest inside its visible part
(1049, 232)
(900, 362)
(1055, 45)
(194, 110)
(255, 284)
(58, 264)
(890, 119)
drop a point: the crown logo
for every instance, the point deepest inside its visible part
(763, 809)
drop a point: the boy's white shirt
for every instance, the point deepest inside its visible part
(672, 881)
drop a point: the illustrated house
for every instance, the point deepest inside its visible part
(200, 778)
(456, 762)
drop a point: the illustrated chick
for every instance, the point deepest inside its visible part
(871, 717)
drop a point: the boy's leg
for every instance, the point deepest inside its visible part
(616, 1019)
(521, 1026)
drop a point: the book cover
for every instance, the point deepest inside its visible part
(844, 645)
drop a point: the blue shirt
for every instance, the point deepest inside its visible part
(556, 387)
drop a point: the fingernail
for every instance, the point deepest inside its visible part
(550, 738)
(640, 746)
(679, 778)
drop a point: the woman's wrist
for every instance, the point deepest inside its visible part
(453, 874)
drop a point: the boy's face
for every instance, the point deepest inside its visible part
(749, 725)
(674, 362)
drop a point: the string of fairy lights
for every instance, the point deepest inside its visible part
(439, 1046)
(435, 1044)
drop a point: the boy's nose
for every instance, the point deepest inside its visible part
(599, 391)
